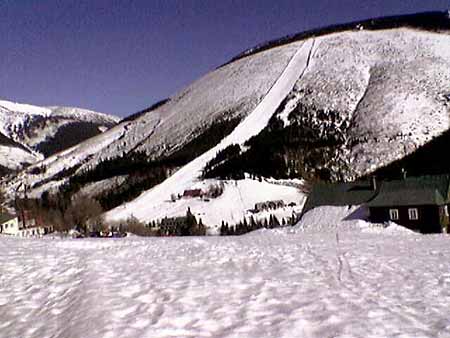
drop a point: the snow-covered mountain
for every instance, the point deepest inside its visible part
(335, 103)
(31, 133)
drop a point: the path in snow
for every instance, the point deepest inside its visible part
(152, 201)
(265, 284)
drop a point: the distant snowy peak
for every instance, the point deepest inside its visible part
(83, 114)
(10, 110)
(37, 132)
(6, 106)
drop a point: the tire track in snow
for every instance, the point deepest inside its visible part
(150, 204)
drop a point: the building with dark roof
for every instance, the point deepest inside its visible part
(340, 194)
(418, 203)
(190, 193)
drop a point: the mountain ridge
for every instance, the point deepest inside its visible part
(41, 131)
(432, 20)
(358, 105)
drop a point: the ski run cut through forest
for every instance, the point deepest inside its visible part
(320, 278)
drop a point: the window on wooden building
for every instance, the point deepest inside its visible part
(393, 214)
(413, 214)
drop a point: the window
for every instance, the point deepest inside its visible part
(413, 214)
(393, 214)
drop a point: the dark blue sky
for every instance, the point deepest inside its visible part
(119, 56)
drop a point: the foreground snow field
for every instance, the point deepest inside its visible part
(346, 281)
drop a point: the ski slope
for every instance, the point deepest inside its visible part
(347, 279)
(149, 205)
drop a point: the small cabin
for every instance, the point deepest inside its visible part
(191, 193)
(418, 203)
(9, 224)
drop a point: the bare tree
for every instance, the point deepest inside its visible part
(136, 227)
(2, 200)
(82, 209)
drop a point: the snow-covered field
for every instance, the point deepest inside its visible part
(345, 280)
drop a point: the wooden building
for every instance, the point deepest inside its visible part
(418, 203)
(181, 226)
(340, 194)
(191, 193)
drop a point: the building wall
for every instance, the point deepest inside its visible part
(11, 227)
(35, 231)
(14, 228)
(429, 220)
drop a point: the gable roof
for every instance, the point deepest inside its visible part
(423, 190)
(339, 194)
(6, 217)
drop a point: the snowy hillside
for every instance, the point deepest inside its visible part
(350, 279)
(155, 200)
(230, 92)
(335, 105)
(355, 93)
(40, 131)
(379, 96)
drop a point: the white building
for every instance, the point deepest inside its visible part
(9, 224)
(12, 225)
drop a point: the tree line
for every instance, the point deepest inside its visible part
(245, 226)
